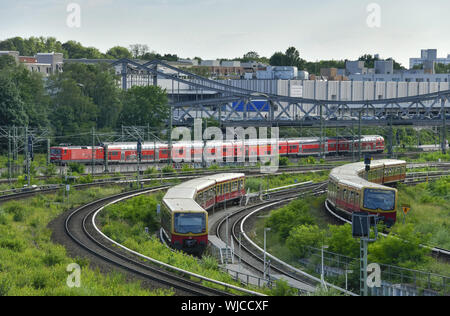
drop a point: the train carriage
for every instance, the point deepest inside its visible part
(352, 189)
(226, 151)
(184, 218)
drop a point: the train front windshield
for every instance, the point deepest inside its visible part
(379, 199)
(186, 223)
(55, 153)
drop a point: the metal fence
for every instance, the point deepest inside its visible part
(395, 281)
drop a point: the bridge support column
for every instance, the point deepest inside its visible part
(124, 77)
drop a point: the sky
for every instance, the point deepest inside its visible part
(210, 29)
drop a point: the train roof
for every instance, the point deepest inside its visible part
(75, 147)
(225, 177)
(349, 174)
(183, 205)
(180, 198)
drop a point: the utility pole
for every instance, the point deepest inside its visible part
(27, 149)
(9, 156)
(359, 136)
(170, 134)
(391, 136)
(321, 132)
(48, 151)
(139, 157)
(93, 151)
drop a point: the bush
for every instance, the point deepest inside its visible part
(17, 210)
(285, 219)
(403, 250)
(302, 237)
(151, 171)
(15, 245)
(5, 285)
(341, 241)
(76, 167)
(282, 288)
(168, 170)
(284, 161)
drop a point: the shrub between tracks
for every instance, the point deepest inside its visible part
(125, 223)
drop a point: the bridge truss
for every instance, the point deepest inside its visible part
(192, 96)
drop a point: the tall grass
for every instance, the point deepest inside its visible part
(32, 265)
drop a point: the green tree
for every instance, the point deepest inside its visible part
(98, 82)
(369, 60)
(293, 57)
(119, 52)
(73, 113)
(251, 56)
(302, 237)
(12, 109)
(404, 249)
(442, 68)
(144, 105)
(33, 95)
(139, 50)
(7, 62)
(285, 219)
(290, 58)
(75, 50)
(32, 45)
(341, 241)
(278, 59)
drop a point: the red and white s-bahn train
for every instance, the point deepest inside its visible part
(121, 153)
(352, 189)
(184, 214)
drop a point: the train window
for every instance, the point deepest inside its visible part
(190, 223)
(235, 186)
(379, 199)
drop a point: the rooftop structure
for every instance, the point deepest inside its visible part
(428, 55)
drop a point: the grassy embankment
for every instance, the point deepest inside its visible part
(301, 225)
(32, 265)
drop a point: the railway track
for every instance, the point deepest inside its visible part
(86, 237)
(255, 172)
(250, 254)
(81, 230)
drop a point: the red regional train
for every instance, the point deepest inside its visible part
(121, 153)
(184, 216)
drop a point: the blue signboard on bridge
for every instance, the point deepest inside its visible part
(252, 106)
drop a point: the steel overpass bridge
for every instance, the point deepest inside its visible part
(234, 106)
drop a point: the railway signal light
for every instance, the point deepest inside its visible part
(30, 147)
(367, 162)
(139, 149)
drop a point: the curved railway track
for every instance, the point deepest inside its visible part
(80, 229)
(251, 255)
(82, 233)
(50, 188)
